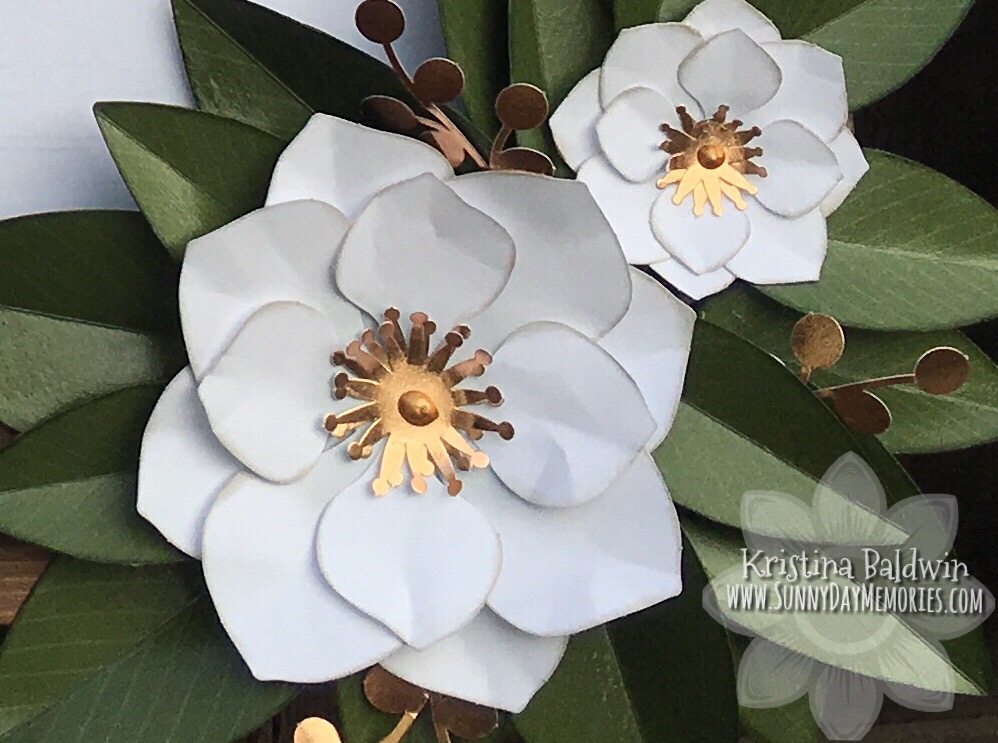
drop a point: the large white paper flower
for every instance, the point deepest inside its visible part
(324, 557)
(661, 134)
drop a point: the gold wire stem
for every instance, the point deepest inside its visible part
(438, 115)
(868, 384)
(443, 734)
(499, 144)
(403, 727)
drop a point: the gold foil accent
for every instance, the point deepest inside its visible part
(409, 396)
(392, 695)
(818, 342)
(316, 730)
(436, 83)
(710, 160)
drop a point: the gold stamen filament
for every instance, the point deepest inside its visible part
(710, 160)
(409, 396)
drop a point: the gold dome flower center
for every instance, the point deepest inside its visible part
(710, 160)
(417, 408)
(413, 398)
(711, 156)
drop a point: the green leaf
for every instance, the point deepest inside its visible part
(719, 548)
(251, 64)
(909, 250)
(747, 423)
(476, 32)
(791, 723)
(88, 305)
(875, 62)
(553, 44)
(122, 655)
(921, 422)
(659, 676)
(668, 11)
(190, 172)
(69, 484)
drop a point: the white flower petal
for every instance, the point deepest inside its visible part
(781, 250)
(420, 248)
(813, 91)
(770, 675)
(280, 253)
(630, 136)
(853, 164)
(569, 267)
(566, 570)
(802, 170)
(649, 56)
(573, 124)
(346, 164)
(488, 662)
(182, 467)
(730, 70)
(652, 343)
(259, 562)
(713, 17)
(695, 286)
(703, 243)
(267, 396)
(627, 207)
(579, 419)
(423, 565)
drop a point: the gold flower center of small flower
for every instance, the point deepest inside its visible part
(710, 160)
(410, 397)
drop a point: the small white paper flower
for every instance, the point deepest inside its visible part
(715, 149)
(323, 498)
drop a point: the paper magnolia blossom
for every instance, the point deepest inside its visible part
(311, 453)
(715, 148)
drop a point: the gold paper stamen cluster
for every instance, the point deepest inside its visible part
(710, 160)
(409, 396)
(436, 83)
(818, 342)
(394, 696)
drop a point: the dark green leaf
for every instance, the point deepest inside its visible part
(69, 484)
(659, 676)
(251, 64)
(921, 422)
(791, 723)
(476, 32)
(720, 548)
(553, 44)
(875, 62)
(909, 250)
(747, 423)
(190, 172)
(122, 655)
(668, 11)
(88, 305)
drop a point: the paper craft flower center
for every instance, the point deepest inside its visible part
(410, 397)
(710, 160)
(417, 408)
